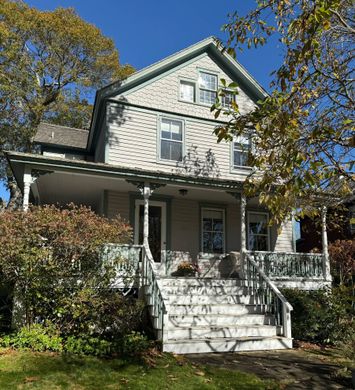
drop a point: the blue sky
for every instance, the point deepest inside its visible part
(146, 31)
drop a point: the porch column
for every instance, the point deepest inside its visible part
(27, 181)
(243, 236)
(146, 195)
(326, 263)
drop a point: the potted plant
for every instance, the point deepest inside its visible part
(186, 268)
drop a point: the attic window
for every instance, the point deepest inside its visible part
(187, 91)
(227, 98)
(208, 84)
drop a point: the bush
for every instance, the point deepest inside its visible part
(342, 255)
(53, 257)
(37, 338)
(322, 316)
(88, 346)
(133, 344)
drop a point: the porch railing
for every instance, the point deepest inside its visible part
(153, 291)
(267, 295)
(286, 265)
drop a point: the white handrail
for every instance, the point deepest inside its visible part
(286, 306)
(157, 299)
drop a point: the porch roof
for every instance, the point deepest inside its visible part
(18, 161)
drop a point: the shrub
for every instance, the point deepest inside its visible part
(88, 346)
(36, 338)
(53, 257)
(186, 268)
(322, 316)
(133, 344)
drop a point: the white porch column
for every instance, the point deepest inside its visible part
(146, 195)
(243, 236)
(326, 263)
(27, 181)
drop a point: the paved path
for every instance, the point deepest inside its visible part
(295, 369)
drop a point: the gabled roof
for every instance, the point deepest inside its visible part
(209, 45)
(50, 134)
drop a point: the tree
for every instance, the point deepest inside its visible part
(303, 132)
(51, 62)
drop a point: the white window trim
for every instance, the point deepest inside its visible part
(198, 89)
(268, 228)
(224, 226)
(183, 122)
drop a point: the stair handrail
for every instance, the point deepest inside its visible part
(269, 294)
(156, 297)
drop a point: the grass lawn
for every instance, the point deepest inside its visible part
(29, 370)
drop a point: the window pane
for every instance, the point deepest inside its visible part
(207, 242)
(218, 225)
(176, 151)
(218, 243)
(240, 158)
(258, 223)
(166, 134)
(227, 99)
(176, 130)
(208, 81)
(187, 91)
(242, 141)
(207, 224)
(165, 125)
(258, 243)
(165, 150)
(207, 97)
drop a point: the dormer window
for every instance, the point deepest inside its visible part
(241, 149)
(187, 91)
(208, 84)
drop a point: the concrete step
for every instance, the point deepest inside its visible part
(226, 344)
(217, 308)
(209, 332)
(219, 319)
(189, 282)
(205, 290)
(211, 299)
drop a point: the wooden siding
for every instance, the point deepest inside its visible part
(117, 204)
(282, 242)
(134, 143)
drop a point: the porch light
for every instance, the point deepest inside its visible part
(183, 191)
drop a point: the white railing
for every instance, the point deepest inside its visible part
(289, 265)
(155, 299)
(267, 295)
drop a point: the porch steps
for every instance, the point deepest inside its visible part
(215, 315)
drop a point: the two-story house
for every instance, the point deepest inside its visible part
(151, 156)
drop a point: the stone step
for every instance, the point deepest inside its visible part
(205, 290)
(217, 308)
(219, 319)
(192, 281)
(211, 299)
(210, 332)
(226, 345)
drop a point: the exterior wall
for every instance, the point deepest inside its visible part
(134, 143)
(185, 229)
(163, 92)
(282, 242)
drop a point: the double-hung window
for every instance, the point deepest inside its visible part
(208, 85)
(171, 139)
(241, 149)
(258, 232)
(212, 230)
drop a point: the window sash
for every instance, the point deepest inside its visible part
(208, 85)
(241, 149)
(228, 96)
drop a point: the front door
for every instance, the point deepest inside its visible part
(157, 227)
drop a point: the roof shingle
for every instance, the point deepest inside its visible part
(48, 133)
